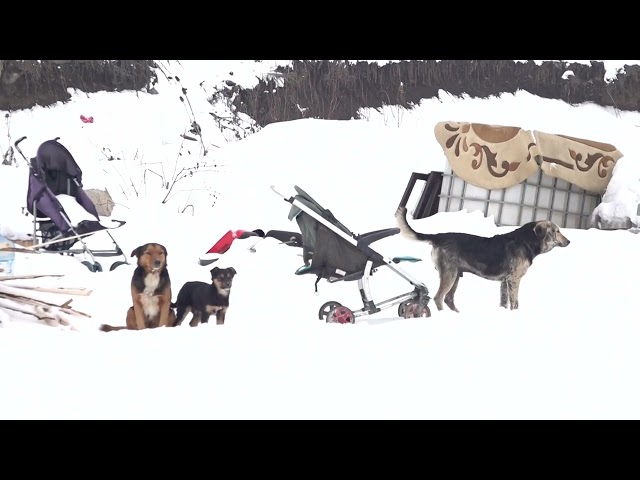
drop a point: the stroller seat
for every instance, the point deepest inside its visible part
(327, 255)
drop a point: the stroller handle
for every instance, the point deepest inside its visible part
(18, 148)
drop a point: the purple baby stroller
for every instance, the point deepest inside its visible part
(53, 172)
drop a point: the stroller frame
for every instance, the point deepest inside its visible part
(61, 237)
(411, 304)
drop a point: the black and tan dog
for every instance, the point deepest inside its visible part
(505, 258)
(150, 291)
(202, 299)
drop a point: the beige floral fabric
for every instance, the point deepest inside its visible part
(487, 156)
(496, 157)
(584, 163)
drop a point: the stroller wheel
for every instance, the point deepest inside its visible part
(116, 265)
(413, 309)
(340, 315)
(402, 308)
(93, 267)
(326, 308)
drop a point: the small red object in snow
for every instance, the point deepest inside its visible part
(227, 239)
(85, 119)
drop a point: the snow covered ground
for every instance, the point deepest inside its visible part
(569, 352)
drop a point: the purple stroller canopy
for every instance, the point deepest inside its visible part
(53, 156)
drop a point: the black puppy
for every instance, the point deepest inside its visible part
(202, 299)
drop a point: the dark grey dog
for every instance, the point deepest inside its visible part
(505, 258)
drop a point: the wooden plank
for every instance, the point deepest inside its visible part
(79, 291)
(28, 277)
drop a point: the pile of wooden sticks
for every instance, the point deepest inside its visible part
(17, 294)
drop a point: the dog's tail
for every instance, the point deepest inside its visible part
(108, 328)
(406, 230)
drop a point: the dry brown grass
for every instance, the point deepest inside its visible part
(27, 83)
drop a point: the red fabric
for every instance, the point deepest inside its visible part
(225, 241)
(86, 119)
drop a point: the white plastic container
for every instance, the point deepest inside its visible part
(6, 258)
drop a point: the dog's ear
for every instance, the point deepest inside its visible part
(138, 251)
(165, 250)
(233, 270)
(540, 229)
(214, 271)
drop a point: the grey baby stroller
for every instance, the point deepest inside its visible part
(333, 253)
